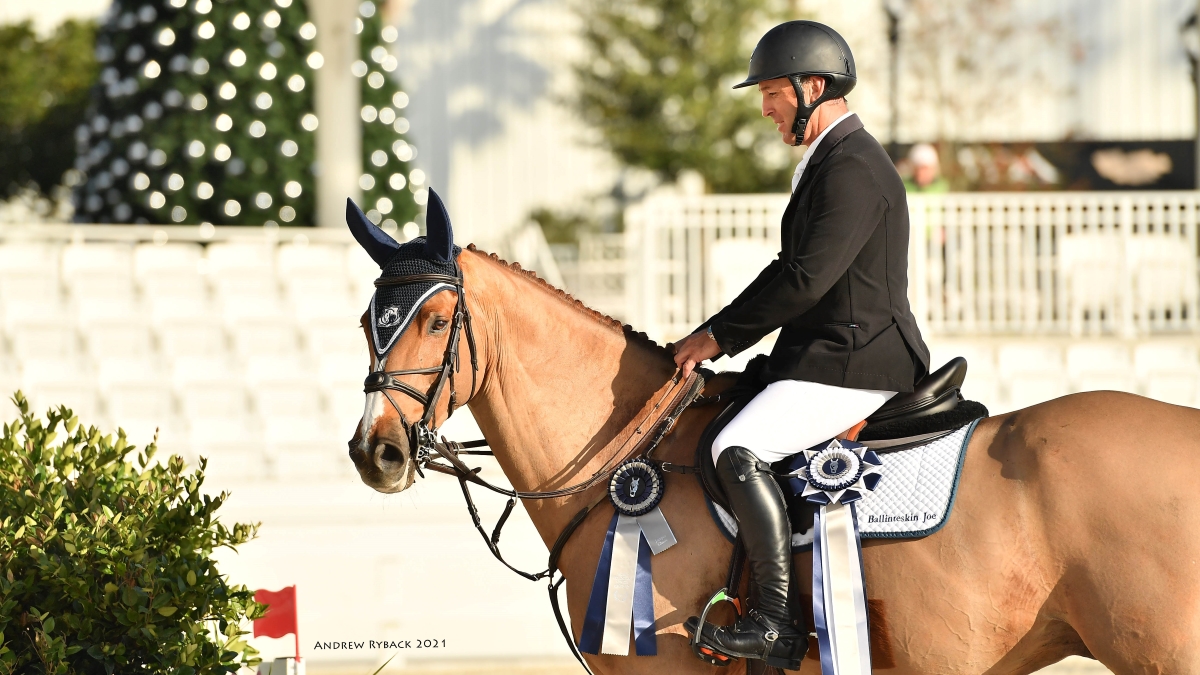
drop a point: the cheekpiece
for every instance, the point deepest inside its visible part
(636, 487)
(837, 472)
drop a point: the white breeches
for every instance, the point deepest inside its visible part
(793, 415)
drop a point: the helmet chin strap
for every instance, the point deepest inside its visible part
(804, 112)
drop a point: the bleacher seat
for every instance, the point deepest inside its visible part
(346, 404)
(98, 272)
(49, 338)
(268, 336)
(1094, 367)
(170, 271)
(363, 272)
(29, 273)
(209, 387)
(60, 381)
(1163, 271)
(191, 337)
(1092, 266)
(10, 382)
(1033, 373)
(245, 271)
(299, 459)
(165, 310)
(118, 338)
(137, 395)
(336, 336)
(299, 261)
(1168, 371)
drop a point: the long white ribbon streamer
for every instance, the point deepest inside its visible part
(618, 617)
(845, 599)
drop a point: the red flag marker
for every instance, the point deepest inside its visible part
(280, 618)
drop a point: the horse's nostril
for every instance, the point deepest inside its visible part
(391, 454)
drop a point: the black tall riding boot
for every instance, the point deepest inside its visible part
(766, 631)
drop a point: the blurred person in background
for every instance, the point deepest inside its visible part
(926, 171)
(839, 293)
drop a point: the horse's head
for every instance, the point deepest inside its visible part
(414, 327)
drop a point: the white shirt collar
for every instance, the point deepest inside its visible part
(812, 148)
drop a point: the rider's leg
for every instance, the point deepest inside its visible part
(792, 415)
(787, 417)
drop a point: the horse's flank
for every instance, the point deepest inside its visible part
(1075, 529)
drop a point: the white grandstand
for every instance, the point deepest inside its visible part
(235, 347)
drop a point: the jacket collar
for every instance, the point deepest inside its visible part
(835, 136)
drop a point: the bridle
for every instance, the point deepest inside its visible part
(422, 435)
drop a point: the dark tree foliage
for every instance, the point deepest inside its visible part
(204, 112)
(657, 81)
(390, 189)
(43, 96)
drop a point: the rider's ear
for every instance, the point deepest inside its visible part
(375, 241)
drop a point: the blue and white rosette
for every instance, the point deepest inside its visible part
(623, 591)
(835, 476)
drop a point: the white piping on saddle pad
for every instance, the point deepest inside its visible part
(913, 499)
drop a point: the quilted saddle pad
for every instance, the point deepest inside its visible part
(913, 499)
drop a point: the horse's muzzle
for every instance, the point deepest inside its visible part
(386, 464)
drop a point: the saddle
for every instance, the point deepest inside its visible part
(934, 409)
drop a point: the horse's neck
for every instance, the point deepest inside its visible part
(559, 384)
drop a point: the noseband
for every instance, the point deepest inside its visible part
(422, 434)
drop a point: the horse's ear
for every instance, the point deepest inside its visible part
(439, 236)
(377, 243)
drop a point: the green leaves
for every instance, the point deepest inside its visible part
(108, 566)
(656, 83)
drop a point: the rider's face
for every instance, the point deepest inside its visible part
(779, 103)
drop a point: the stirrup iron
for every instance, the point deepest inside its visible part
(705, 652)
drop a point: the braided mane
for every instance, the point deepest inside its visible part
(600, 318)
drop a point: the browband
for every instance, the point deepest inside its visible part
(417, 278)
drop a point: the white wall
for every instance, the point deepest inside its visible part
(486, 78)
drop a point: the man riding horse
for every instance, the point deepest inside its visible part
(839, 293)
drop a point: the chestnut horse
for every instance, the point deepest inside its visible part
(1073, 531)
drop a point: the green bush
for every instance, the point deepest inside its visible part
(105, 566)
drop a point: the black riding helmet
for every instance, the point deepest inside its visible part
(799, 48)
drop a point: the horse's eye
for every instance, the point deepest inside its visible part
(438, 325)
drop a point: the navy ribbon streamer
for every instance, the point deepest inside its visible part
(593, 621)
(645, 639)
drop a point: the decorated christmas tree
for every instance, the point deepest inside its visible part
(204, 113)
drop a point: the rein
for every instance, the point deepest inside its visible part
(659, 419)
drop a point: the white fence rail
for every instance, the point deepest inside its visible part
(1120, 264)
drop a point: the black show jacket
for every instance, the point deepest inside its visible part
(839, 288)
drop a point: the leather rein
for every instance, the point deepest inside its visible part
(422, 434)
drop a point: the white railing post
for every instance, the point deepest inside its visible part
(979, 263)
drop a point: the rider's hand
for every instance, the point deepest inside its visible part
(693, 349)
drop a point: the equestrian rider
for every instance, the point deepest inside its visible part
(839, 293)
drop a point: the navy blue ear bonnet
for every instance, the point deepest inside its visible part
(394, 306)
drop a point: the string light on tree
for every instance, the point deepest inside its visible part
(203, 113)
(394, 202)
